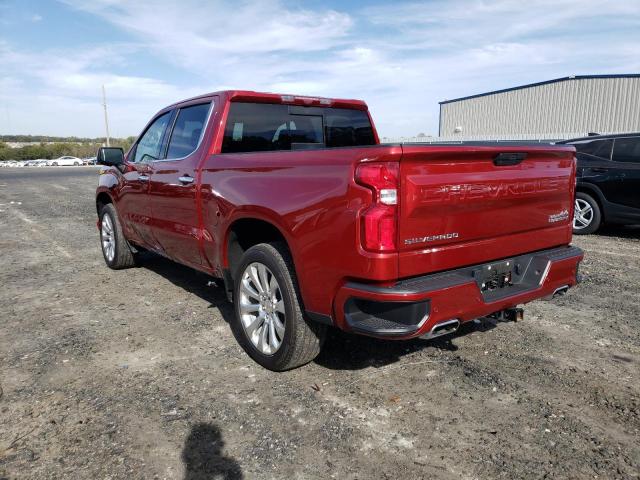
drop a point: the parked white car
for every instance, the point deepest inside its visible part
(65, 162)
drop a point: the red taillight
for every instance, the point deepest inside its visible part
(379, 221)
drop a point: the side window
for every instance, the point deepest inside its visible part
(627, 150)
(600, 149)
(148, 148)
(187, 130)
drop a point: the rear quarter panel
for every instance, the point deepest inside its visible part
(310, 196)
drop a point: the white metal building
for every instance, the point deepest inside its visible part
(556, 109)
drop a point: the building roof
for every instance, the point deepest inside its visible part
(555, 80)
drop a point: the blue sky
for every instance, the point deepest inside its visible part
(401, 57)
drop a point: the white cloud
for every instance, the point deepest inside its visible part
(402, 58)
(67, 97)
(193, 31)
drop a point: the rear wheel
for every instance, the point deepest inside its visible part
(115, 248)
(587, 216)
(269, 322)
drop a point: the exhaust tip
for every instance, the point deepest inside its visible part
(442, 328)
(560, 291)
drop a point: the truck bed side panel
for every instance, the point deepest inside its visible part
(310, 196)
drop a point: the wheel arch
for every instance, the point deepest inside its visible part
(597, 195)
(102, 199)
(246, 231)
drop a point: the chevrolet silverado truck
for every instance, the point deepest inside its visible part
(310, 222)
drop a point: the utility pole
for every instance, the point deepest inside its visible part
(106, 119)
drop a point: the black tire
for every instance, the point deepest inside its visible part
(124, 256)
(54, 164)
(75, 164)
(302, 339)
(596, 218)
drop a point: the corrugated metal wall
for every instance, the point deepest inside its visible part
(563, 109)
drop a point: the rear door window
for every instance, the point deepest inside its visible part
(256, 127)
(187, 130)
(626, 150)
(596, 149)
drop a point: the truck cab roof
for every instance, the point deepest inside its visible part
(267, 97)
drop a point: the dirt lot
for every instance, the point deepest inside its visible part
(135, 374)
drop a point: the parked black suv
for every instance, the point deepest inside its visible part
(608, 181)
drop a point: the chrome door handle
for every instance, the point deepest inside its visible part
(186, 179)
(143, 178)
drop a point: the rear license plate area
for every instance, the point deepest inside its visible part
(494, 276)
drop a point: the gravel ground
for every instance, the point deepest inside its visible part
(135, 374)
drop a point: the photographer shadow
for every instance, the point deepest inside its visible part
(203, 456)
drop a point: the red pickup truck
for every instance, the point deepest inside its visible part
(311, 222)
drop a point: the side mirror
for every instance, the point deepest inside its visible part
(110, 156)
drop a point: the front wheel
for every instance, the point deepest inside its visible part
(587, 216)
(269, 321)
(115, 248)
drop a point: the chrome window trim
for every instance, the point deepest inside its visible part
(204, 129)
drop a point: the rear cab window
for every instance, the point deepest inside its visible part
(259, 127)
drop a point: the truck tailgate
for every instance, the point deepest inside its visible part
(463, 204)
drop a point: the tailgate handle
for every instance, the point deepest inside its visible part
(505, 159)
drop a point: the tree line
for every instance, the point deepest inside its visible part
(80, 149)
(48, 138)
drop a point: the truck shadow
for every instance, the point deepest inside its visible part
(341, 351)
(344, 351)
(190, 280)
(619, 231)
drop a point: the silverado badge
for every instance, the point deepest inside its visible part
(430, 238)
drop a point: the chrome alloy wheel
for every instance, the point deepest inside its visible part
(583, 214)
(262, 308)
(108, 237)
